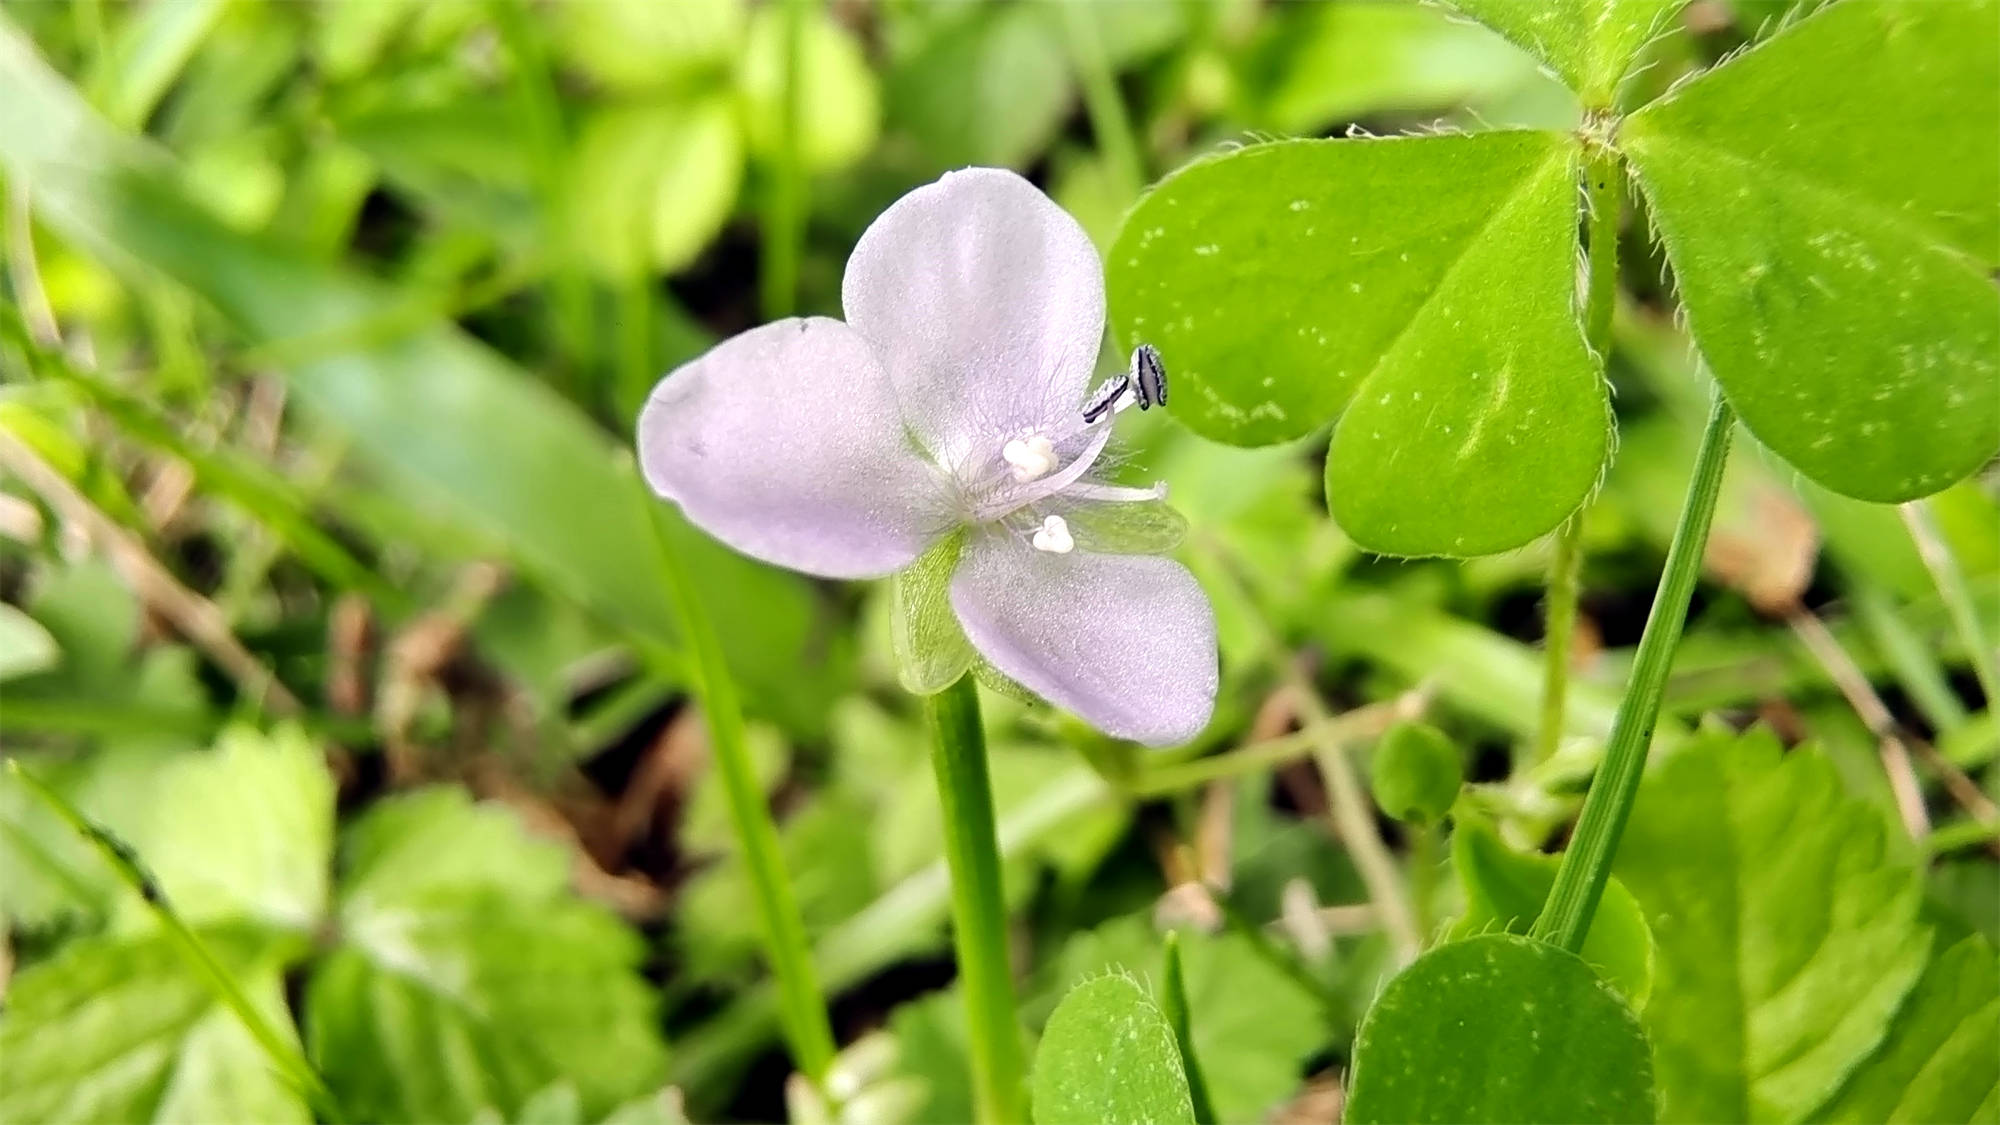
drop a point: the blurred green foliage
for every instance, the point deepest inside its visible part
(341, 313)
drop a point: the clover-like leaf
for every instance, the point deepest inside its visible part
(1590, 44)
(1784, 924)
(1499, 1028)
(1424, 285)
(1108, 1054)
(1830, 202)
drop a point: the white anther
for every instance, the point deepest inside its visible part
(1053, 536)
(1032, 457)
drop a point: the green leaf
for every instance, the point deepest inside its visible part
(457, 433)
(1938, 1062)
(992, 87)
(1499, 1028)
(122, 1030)
(1785, 931)
(1331, 63)
(1830, 203)
(25, 647)
(437, 839)
(458, 986)
(644, 44)
(462, 161)
(48, 873)
(1505, 889)
(839, 106)
(1590, 43)
(1108, 1056)
(244, 831)
(152, 46)
(1254, 1025)
(652, 184)
(1426, 286)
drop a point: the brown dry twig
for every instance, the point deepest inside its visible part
(192, 615)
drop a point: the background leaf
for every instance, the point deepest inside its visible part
(653, 182)
(1255, 1025)
(839, 106)
(243, 831)
(1505, 890)
(1423, 284)
(458, 986)
(25, 647)
(464, 435)
(1938, 1063)
(1499, 1028)
(1108, 1055)
(1842, 295)
(989, 85)
(1590, 43)
(122, 1030)
(1785, 929)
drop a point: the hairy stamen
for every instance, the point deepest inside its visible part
(1054, 537)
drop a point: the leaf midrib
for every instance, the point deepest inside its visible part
(1479, 234)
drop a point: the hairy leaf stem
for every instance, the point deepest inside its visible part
(1604, 199)
(1586, 865)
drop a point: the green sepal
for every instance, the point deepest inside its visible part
(931, 649)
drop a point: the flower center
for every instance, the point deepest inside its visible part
(1036, 466)
(1030, 458)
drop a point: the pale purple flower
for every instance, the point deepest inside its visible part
(952, 401)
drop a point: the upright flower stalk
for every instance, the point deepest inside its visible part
(978, 904)
(1604, 196)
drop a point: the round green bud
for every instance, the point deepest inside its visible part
(1416, 773)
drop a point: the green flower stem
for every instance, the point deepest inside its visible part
(978, 908)
(282, 1049)
(1604, 195)
(1110, 124)
(1173, 997)
(802, 1009)
(1957, 595)
(1587, 863)
(784, 198)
